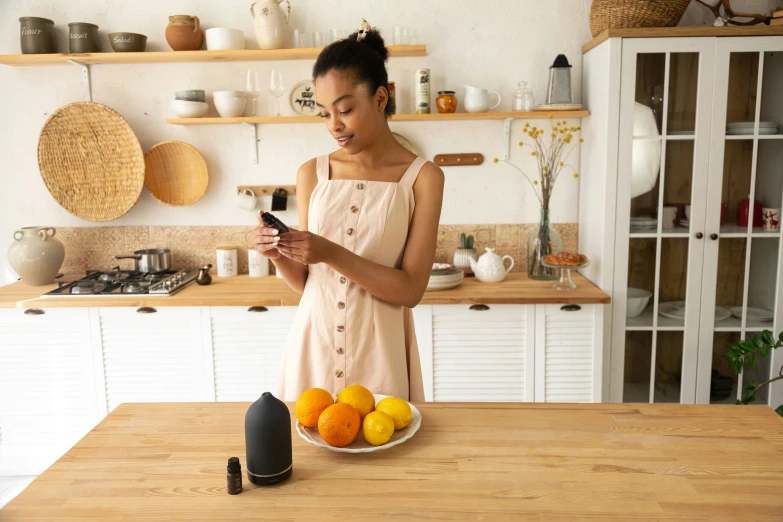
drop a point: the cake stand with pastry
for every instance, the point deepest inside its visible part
(565, 261)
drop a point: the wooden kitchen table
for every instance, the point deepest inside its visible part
(167, 462)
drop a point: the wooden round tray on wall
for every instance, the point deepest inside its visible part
(91, 161)
(176, 174)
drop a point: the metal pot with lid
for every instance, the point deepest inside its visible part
(151, 261)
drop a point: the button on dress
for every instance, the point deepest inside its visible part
(342, 334)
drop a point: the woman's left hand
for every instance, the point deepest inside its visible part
(304, 247)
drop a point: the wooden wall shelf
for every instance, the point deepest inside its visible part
(396, 117)
(246, 55)
(267, 190)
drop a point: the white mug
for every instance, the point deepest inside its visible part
(669, 217)
(257, 264)
(771, 219)
(246, 199)
(688, 212)
(227, 261)
(477, 99)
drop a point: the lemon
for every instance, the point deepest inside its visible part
(397, 409)
(378, 427)
(359, 397)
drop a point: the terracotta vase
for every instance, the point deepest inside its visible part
(184, 34)
(36, 255)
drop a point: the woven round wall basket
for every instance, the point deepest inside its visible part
(91, 161)
(176, 173)
(616, 14)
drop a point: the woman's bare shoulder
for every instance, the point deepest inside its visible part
(430, 177)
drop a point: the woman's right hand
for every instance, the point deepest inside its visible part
(265, 239)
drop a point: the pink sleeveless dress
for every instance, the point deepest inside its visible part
(341, 334)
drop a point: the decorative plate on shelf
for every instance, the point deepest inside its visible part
(676, 310)
(302, 99)
(311, 435)
(754, 314)
(559, 107)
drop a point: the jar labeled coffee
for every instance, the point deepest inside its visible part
(422, 91)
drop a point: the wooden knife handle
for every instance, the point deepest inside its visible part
(457, 160)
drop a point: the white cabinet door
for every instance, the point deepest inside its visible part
(482, 353)
(152, 354)
(568, 353)
(47, 387)
(247, 349)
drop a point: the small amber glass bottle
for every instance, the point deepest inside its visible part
(234, 476)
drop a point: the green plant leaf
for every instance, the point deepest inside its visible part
(751, 359)
(779, 410)
(750, 386)
(765, 350)
(745, 346)
(780, 337)
(768, 337)
(756, 341)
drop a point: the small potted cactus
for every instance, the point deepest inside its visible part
(464, 253)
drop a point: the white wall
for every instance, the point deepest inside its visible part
(488, 43)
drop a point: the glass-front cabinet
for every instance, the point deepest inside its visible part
(697, 249)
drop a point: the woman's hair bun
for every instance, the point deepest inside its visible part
(374, 41)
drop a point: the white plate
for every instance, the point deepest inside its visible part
(752, 123)
(676, 310)
(438, 267)
(559, 107)
(754, 314)
(311, 435)
(302, 99)
(746, 131)
(681, 133)
(435, 287)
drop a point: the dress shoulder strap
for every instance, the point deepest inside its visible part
(409, 178)
(322, 168)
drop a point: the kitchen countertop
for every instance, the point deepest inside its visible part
(501, 461)
(271, 291)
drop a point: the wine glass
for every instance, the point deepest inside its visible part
(253, 88)
(276, 87)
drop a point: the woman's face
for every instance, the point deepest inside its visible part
(352, 116)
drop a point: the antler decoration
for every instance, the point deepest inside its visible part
(730, 14)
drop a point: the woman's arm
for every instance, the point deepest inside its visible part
(405, 286)
(294, 273)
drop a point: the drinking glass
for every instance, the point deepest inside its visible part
(276, 87)
(339, 34)
(253, 88)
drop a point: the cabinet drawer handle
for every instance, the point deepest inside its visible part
(34, 311)
(570, 308)
(479, 308)
(258, 309)
(146, 310)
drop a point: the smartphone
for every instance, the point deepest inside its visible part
(272, 222)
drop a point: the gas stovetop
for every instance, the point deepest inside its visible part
(121, 283)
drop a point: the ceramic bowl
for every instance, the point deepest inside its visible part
(189, 109)
(636, 302)
(196, 95)
(223, 39)
(128, 42)
(230, 105)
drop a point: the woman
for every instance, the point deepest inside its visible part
(368, 219)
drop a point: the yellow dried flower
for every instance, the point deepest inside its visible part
(561, 163)
(521, 143)
(494, 160)
(550, 116)
(553, 134)
(533, 153)
(569, 136)
(576, 174)
(535, 182)
(581, 140)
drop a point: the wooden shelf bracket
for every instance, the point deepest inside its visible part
(85, 78)
(253, 142)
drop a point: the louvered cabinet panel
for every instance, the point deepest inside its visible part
(152, 357)
(247, 350)
(480, 355)
(47, 389)
(566, 351)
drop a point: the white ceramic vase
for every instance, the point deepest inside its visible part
(36, 255)
(462, 257)
(270, 21)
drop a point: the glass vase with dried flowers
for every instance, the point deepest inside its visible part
(552, 161)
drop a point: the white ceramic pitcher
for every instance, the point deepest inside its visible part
(270, 21)
(477, 99)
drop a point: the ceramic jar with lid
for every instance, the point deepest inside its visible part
(37, 35)
(446, 102)
(83, 38)
(523, 101)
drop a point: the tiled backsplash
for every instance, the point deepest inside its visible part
(95, 247)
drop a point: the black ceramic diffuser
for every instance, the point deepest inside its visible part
(268, 441)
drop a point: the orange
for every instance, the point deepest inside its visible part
(359, 397)
(311, 404)
(339, 425)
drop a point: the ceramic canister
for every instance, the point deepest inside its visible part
(37, 35)
(83, 38)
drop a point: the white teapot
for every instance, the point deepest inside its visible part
(270, 21)
(490, 267)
